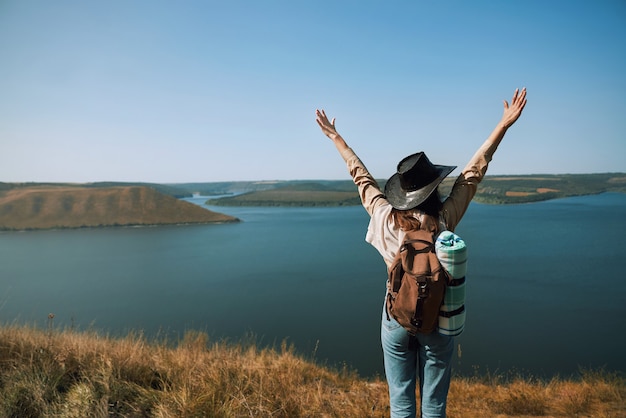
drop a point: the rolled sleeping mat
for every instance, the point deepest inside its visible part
(452, 253)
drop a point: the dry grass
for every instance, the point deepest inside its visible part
(68, 374)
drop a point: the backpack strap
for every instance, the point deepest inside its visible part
(423, 291)
(450, 314)
(456, 282)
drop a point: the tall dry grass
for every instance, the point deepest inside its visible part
(54, 373)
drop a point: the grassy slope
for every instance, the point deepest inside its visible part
(292, 195)
(48, 207)
(522, 189)
(70, 374)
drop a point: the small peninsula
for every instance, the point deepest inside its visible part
(40, 206)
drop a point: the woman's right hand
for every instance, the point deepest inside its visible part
(513, 112)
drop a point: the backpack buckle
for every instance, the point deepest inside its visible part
(416, 322)
(422, 289)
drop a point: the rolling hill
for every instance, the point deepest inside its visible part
(492, 190)
(49, 207)
(293, 194)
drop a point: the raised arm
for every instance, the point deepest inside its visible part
(328, 128)
(369, 191)
(509, 117)
(466, 184)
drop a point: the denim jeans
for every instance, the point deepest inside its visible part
(407, 358)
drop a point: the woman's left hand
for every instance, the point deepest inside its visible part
(328, 127)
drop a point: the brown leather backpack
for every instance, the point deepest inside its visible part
(417, 284)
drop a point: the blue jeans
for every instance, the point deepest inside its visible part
(405, 356)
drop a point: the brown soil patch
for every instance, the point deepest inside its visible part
(618, 180)
(524, 178)
(523, 194)
(510, 193)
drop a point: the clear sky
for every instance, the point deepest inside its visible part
(201, 91)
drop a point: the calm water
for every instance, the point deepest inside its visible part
(546, 283)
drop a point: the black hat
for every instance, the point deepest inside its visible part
(416, 179)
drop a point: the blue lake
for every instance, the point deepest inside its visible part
(546, 283)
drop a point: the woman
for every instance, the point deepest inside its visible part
(411, 201)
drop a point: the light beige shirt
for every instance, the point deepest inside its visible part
(382, 232)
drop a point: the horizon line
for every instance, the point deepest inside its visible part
(286, 180)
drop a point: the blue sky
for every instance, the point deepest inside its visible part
(195, 91)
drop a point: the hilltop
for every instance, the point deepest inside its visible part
(64, 206)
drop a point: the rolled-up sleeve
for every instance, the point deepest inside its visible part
(382, 233)
(369, 191)
(466, 185)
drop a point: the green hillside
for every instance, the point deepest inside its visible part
(294, 194)
(493, 190)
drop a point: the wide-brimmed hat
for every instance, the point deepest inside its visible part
(416, 179)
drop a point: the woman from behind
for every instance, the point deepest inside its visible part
(411, 201)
